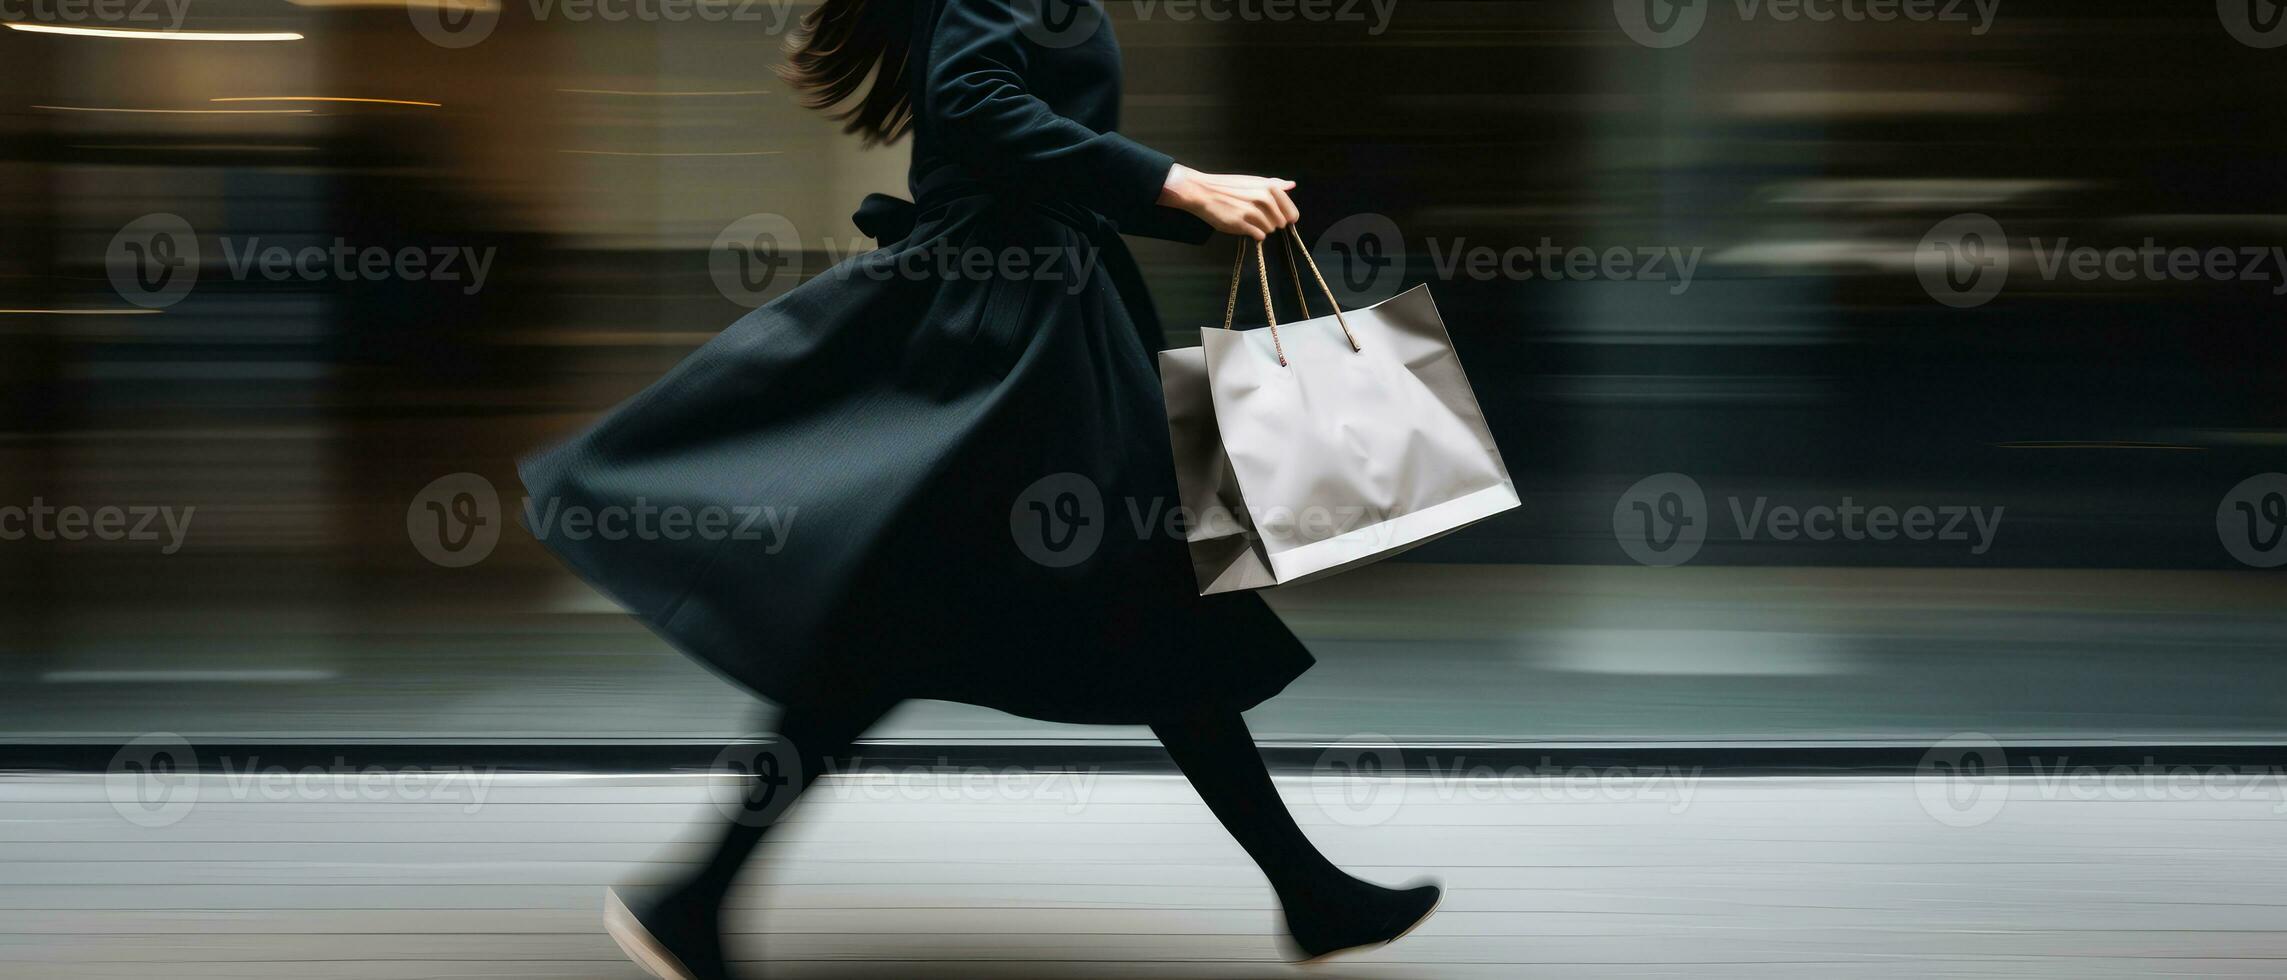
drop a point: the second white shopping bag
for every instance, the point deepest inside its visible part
(1307, 448)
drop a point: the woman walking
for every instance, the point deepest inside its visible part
(958, 454)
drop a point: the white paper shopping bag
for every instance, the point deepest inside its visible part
(1306, 448)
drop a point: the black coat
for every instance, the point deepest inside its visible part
(972, 469)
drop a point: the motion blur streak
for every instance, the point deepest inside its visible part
(305, 389)
(1868, 382)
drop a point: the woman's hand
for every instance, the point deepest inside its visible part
(1232, 203)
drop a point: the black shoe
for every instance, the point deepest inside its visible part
(665, 935)
(1355, 915)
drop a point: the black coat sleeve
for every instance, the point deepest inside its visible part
(997, 129)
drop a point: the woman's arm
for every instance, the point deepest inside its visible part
(1235, 204)
(996, 128)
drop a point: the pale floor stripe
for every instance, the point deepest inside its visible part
(997, 876)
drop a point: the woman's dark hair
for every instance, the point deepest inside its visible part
(842, 44)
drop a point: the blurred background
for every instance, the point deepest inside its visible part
(1774, 306)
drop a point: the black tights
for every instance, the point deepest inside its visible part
(1218, 755)
(811, 734)
(1213, 747)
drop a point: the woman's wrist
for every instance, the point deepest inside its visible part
(1236, 204)
(1174, 191)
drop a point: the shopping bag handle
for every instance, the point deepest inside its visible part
(1293, 244)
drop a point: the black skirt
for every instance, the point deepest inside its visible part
(972, 475)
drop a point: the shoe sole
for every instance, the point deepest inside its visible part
(638, 943)
(1323, 958)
